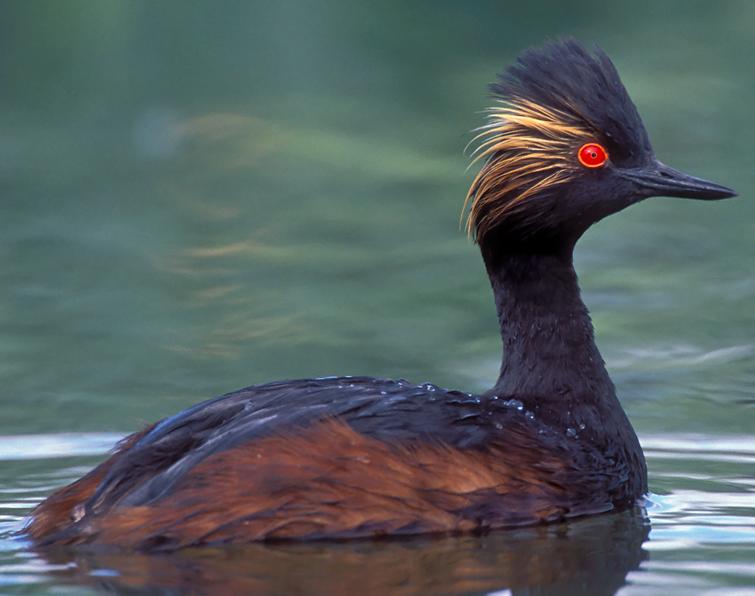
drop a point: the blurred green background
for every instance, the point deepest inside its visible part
(198, 196)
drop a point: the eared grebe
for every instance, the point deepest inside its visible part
(352, 457)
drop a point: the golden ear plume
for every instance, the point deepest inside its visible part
(528, 148)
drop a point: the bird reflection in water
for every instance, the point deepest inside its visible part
(590, 556)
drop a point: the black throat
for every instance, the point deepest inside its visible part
(550, 360)
(548, 343)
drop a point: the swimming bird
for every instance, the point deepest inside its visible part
(359, 457)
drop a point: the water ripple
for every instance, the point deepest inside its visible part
(49, 446)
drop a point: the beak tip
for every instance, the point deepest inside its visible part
(726, 193)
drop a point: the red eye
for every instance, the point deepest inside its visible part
(592, 155)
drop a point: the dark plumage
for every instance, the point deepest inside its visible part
(354, 457)
(567, 78)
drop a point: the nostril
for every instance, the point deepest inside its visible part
(665, 174)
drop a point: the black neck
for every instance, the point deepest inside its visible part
(550, 361)
(548, 343)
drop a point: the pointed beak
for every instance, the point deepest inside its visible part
(658, 179)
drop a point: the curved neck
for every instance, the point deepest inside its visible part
(550, 361)
(548, 343)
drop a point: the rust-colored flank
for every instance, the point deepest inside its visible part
(328, 481)
(65, 506)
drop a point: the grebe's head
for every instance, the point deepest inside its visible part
(563, 148)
